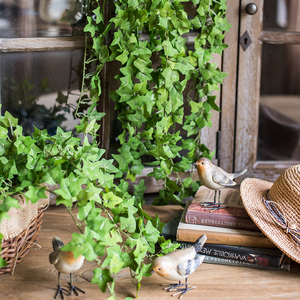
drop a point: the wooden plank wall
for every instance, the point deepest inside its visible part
(248, 89)
(41, 44)
(228, 102)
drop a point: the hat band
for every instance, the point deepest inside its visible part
(279, 218)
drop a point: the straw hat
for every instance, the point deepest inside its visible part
(275, 209)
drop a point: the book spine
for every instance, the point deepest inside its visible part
(239, 254)
(231, 262)
(220, 220)
(260, 241)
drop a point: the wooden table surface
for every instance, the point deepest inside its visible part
(35, 278)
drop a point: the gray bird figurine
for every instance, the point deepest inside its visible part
(178, 265)
(215, 178)
(65, 262)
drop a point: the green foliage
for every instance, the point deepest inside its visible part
(110, 220)
(151, 107)
(150, 98)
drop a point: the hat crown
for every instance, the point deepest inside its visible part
(284, 203)
(286, 189)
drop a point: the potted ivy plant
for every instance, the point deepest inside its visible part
(84, 179)
(22, 170)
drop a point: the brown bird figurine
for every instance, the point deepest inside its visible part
(65, 262)
(215, 178)
(178, 265)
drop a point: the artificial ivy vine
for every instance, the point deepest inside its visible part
(150, 103)
(108, 221)
(150, 99)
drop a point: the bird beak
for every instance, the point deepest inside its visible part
(195, 164)
(152, 271)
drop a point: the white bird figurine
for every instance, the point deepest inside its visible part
(179, 264)
(64, 262)
(215, 178)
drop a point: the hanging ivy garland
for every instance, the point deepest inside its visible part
(151, 103)
(150, 100)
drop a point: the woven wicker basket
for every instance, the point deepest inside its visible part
(15, 249)
(21, 230)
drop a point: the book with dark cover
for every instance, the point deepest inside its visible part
(233, 216)
(258, 256)
(286, 265)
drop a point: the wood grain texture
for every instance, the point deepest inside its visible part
(228, 97)
(270, 170)
(41, 44)
(104, 103)
(274, 37)
(36, 279)
(152, 185)
(248, 89)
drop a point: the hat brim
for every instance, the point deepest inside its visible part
(252, 191)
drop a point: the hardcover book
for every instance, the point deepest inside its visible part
(264, 257)
(220, 235)
(233, 216)
(286, 265)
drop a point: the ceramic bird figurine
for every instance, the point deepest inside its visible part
(64, 262)
(178, 265)
(215, 178)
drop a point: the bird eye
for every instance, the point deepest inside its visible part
(202, 163)
(159, 269)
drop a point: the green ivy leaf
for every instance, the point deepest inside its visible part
(141, 88)
(129, 223)
(151, 233)
(157, 174)
(9, 120)
(90, 27)
(3, 132)
(211, 101)
(145, 271)
(168, 246)
(116, 259)
(110, 200)
(99, 15)
(166, 11)
(102, 278)
(81, 245)
(170, 76)
(139, 190)
(123, 58)
(34, 194)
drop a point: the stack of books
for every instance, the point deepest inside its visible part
(232, 237)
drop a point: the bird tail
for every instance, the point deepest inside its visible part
(57, 243)
(200, 242)
(237, 174)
